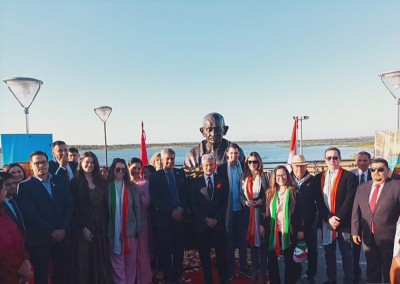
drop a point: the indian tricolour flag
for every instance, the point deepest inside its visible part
(293, 141)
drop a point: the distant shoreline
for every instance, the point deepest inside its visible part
(361, 142)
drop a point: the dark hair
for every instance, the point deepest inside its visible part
(38, 153)
(111, 174)
(232, 145)
(80, 174)
(381, 160)
(1, 183)
(57, 143)
(12, 165)
(333, 149)
(135, 160)
(247, 171)
(104, 167)
(73, 150)
(365, 153)
(274, 185)
(151, 169)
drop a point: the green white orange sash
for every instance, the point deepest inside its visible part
(251, 228)
(125, 205)
(329, 235)
(274, 243)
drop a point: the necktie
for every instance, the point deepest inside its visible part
(210, 188)
(17, 214)
(372, 204)
(362, 178)
(172, 190)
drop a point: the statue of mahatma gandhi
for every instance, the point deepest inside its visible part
(213, 130)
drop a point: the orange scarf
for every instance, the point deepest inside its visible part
(250, 237)
(333, 193)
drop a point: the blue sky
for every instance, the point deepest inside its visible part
(169, 63)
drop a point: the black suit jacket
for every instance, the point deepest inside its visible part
(161, 198)
(308, 205)
(44, 214)
(19, 222)
(344, 199)
(387, 212)
(55, 169)
(203, 207)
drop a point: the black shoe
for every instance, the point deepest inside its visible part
(311, 280)
(330, 282)
(245, 272)
(231, 277)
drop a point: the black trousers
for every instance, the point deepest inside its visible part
(356, 259)
(171, 244)
(206, 241)
(292, 269)
(310, 237)
(59, 254)
(379, 261)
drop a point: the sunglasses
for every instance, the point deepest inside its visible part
(335, 158)
(120, 170)
(252, 162)
(379, 170)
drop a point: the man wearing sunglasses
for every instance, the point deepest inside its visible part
(376, 210)
(334, 189)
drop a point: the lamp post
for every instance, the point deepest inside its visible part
(103, 113)
(24, 90)
(301, 118)
(391, 80)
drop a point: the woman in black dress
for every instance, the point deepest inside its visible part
(91, 258)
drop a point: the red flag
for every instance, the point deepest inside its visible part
(293, 142)
(143, 150)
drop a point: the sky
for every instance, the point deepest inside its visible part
(169, 63)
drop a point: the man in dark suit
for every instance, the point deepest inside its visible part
(61, 166)
(208, 201)
(303, 181)
(46, 204)
(10, 206)
(376, 211)
(335, 189)
(363, 174)
(168, 191)
(236, 215)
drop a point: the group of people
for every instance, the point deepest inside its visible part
(76, 222)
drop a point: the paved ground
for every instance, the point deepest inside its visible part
(321, 272)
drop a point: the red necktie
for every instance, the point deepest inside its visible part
(372, 204)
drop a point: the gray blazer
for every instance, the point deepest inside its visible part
(387, 212)
(135, 223)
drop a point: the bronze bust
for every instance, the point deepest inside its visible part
(213, 130)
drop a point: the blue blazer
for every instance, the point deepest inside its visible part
(161, 198)
(42, 213)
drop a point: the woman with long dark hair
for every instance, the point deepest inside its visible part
(284, 223)
(91, 255)
(125, 222)
(17, 171)
(252, 197)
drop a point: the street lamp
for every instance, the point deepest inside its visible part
(391, 80)
(301, 118)
(24, 90)
(103, 113)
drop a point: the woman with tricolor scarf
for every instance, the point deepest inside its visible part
(125, 222)
(285, 225)
(252, 197)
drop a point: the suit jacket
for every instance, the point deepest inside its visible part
(161, 198)
(355, 171)
(55, 169)
(385, 217)
(19, 222)
(204, 207)
(308, 205)
(42, 213)
(344, 199)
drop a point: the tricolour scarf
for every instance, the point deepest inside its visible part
(252, 190)
(125, 203)
(274, 243)
(329, 235)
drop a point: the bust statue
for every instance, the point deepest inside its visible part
(213, 130)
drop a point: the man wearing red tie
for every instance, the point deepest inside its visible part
(376, 210)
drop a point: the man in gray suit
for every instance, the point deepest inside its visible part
(376, 210)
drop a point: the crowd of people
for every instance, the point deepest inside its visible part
(73, 221)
